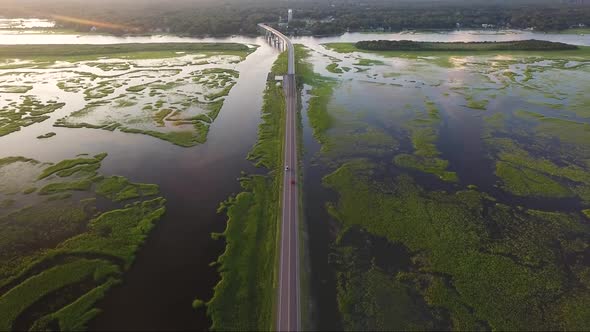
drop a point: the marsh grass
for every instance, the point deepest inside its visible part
(59, 256)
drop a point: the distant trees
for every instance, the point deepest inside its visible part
(408, 45)
(211, 17)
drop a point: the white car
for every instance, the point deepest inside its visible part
(286, 168)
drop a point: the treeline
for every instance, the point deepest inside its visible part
(226, 17)
(408, 45)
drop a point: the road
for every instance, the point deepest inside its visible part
(288, 306)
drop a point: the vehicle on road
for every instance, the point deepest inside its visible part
(292, 181)
(286, 168)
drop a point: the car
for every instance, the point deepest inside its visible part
(286, 168)
(292, 181)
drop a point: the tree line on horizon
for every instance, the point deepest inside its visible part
(214, 18)
(409, 45)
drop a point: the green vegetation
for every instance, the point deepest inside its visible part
(15, 88)
(570, 169)
(28, 111)
(69, 164)
(194, 19)
(570, 132)
(575, 31)
(198, 304)
(55, 188)
(476, 104)
(244, 297)
(467, 256)
(180, 116)
(368, 62)
(118, 188)
(529, 182)
(364, 288)
(517, 45)
(333, 68)
(48, 135)
(59, 256)
(27, 293)
(424, 133)
(74, 53)
(507, 281)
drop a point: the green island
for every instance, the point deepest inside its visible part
(48, 135)
(243, 299)
(60, 254)
(408, 45)
(461, 49)
(463, 255)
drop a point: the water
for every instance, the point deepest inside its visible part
(172, 269)
(10, 38)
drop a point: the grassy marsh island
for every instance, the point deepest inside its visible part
(161, 90)
(48, 135)
(77, 53)
(480, 244)
(60, 253)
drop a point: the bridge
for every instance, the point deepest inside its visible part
(288, 302)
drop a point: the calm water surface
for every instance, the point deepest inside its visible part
(172, 269)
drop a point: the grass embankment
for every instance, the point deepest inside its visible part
(60, 255)
(130, 51)
(244, 298)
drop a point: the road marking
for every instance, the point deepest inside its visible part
(289, 223)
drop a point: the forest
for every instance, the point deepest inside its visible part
(409, 45)
(220, 18)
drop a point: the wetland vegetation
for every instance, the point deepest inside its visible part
(169, 91)
(480, 222)
(456, 188)
(61, 250)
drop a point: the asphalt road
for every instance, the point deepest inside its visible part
(288, 306)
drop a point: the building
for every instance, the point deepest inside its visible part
(290, 15)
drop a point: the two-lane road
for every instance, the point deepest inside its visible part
(288, 306)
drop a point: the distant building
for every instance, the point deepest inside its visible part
(289, 15)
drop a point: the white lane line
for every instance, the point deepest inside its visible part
(297, 262)
(281, 258)
(289, 224)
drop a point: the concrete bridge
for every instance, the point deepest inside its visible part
(288, 297)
